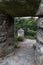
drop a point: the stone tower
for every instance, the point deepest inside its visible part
(39, 44)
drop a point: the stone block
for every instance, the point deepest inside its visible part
(40, 23)
(21, 32)
(39, 49)
(40, 35)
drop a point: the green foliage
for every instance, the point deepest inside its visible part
(31, 32)
(31, 37)
(25, 24)
(29, 26)
(31, 23)
(20, 38)
(19, 7)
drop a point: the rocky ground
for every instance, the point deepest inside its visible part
(24, 55)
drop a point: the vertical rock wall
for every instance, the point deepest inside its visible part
(3, 34)
(6, 38)
(39, 45)
(40, 10)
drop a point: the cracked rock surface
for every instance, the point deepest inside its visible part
(24, 55)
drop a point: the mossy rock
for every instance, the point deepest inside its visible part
(19, 7)
(20, 38)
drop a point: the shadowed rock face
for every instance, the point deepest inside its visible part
(40, 10)
(40, 23)
(6, 37)
(40, 35)
(39, 45)
(20, 7)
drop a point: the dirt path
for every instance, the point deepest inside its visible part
(23, 55)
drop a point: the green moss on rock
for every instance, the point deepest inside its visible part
(19, 7)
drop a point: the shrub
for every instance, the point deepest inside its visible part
(32, 37)
(31, 32)
(20, 38)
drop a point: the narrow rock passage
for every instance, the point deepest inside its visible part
(23, 55)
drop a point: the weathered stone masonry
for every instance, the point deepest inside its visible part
(6, 37)
(39, 44)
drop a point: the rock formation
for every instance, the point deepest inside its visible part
(6, 37)
(39, 44)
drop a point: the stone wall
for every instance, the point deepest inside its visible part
(39, 44)
(40, 10)
(6, 39)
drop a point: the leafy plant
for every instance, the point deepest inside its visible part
(31, 32)
(20, 38)
(29, 26)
